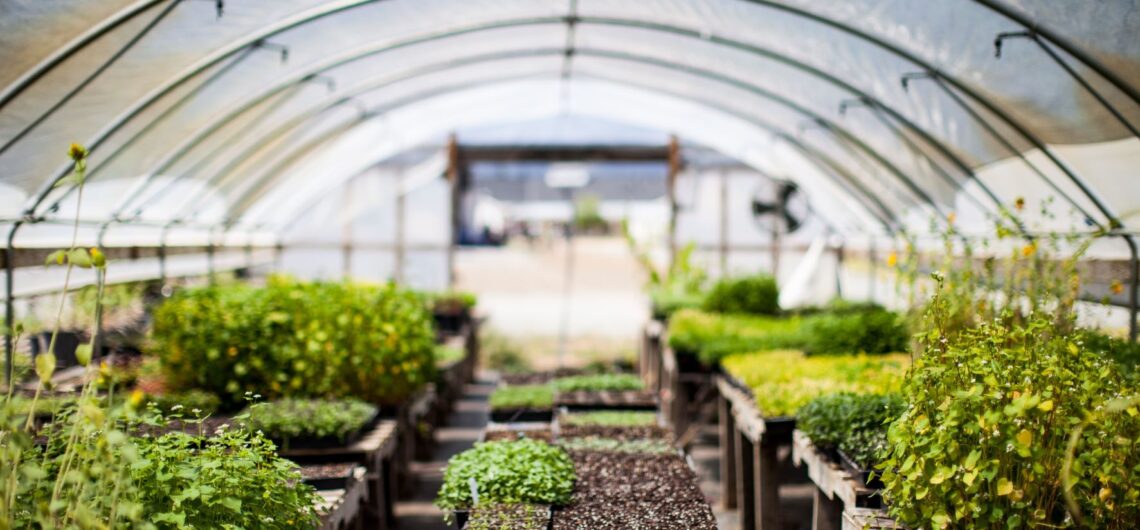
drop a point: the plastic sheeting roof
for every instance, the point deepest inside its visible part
(233, 113)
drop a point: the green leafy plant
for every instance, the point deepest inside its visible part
(784, 381)
(520, 471)
(595, 443)
(598, 382)
(235, 480)
(867, 331)
(452, 301)
(711, 336)
(618, 418)
(853, 423)
(296, 339)
(193, 403)
(289, 419)
(538, 397)
(757, 295)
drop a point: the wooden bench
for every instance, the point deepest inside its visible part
(339, 509)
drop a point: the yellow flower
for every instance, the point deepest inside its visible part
(1029, 250)
(892, 259)
(1117, 287)
(1019, 203)
(136, 398)
(77, 152)
(951, 217)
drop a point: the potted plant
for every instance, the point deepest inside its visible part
(451, 311)
(312, 423)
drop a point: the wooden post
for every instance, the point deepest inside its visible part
(454, 177)
(727, 452)
(827, 513)
(723, 224)
(745, 482)
(767, 489)
(671, 193)
(398, 273)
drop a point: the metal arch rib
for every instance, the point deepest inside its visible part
(840, 132)
(828, 166)
(1065, 44)
(995, 109)
(43, 67)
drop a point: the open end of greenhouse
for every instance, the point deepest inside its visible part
(570, 264)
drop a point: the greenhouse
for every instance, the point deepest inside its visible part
(570, 264)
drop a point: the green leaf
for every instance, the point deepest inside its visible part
(83, 354)
(1004, 487)
(56, 258)
(79, 257)
(45, 366)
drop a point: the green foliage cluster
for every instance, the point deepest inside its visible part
(451, 301)
(235, 480)
(611, 445)
(667, 301)
(296, 339)
(783, 381)
(538, 397)
(853, 423)
(756, 295)
(986, 439)
(870, 330)
(509, 517)
(598, 382)
(289, 419)
(614, 418)
(509, 472)
(711, 336)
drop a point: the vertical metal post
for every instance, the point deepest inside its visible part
(401, 214)
(453, 177)
(874, 271)
(839, 257)
(210, 257)
(1134, 286)
(723, 224)
(346, 234)
(10, 304)
(671, 193)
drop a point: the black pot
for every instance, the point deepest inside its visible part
(451, 322)
(779, 429)
(521, 415)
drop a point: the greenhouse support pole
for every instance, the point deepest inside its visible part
(839, 255)
(723, 247)
(346, 230)
(456, 194)
(1134, 286)
(401, 214)
(10, 304)
(671, 193)
(874, 270)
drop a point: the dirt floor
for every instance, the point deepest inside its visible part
(522, 290)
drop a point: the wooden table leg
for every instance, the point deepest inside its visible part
(827, 513)
(727, 453)
(745, 483)
(767, 486)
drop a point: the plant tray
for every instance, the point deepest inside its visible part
(862, 476)
(451, 322)
(328, 442)
(461, 517)
(328, 476)
(606, 400)
(780, 428)
(521, 415)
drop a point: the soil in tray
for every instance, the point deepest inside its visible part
(521, 415)
(536, 434)
(618, 491)
(630, 399)
(327, 476)
(624, 434)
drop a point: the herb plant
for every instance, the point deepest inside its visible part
(595, 443)
(192, 403)
(616, 418)
(509, 517)
(757, 295)
(853, 423)
(289, 419)
(510, 472)
(538, 397)
(784, 381)
(598, 382)
(236, 480)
